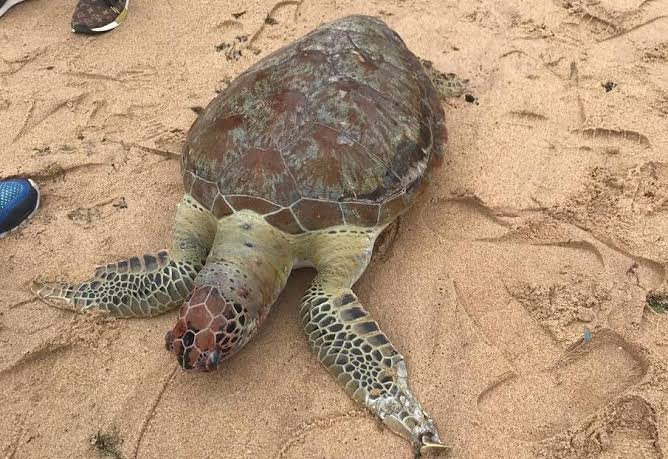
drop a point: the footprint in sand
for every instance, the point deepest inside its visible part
(625, 428)
(588, 377)
(557, 379)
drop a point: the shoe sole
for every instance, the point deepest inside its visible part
(25, 221)
(105, 28)
(4, 8)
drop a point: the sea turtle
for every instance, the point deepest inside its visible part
(302, 161)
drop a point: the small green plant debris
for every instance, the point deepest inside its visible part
(108, 443)
(658, 302)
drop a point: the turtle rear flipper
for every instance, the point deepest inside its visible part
(137, 287)
(446, 84)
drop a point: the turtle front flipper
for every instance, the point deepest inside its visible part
(138, 287)
(142, 286)
(354, 349)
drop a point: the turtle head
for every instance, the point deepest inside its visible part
(210, 328)
(244, 273)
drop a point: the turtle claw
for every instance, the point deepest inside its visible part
(431, 444)
(52, 293)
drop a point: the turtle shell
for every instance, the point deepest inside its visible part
(339, 127)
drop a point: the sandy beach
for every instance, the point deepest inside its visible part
(516, 287)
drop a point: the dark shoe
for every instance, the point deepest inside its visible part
(6, 5)
(19, 200)
(96, 16)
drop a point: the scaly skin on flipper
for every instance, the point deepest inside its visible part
(363, 360)
(138, 287)
(146, 286)
(447, 84)
(350, 344)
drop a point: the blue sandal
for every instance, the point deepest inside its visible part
(19, 200)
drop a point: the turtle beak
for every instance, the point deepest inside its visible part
(207, 361)
(213, 360)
